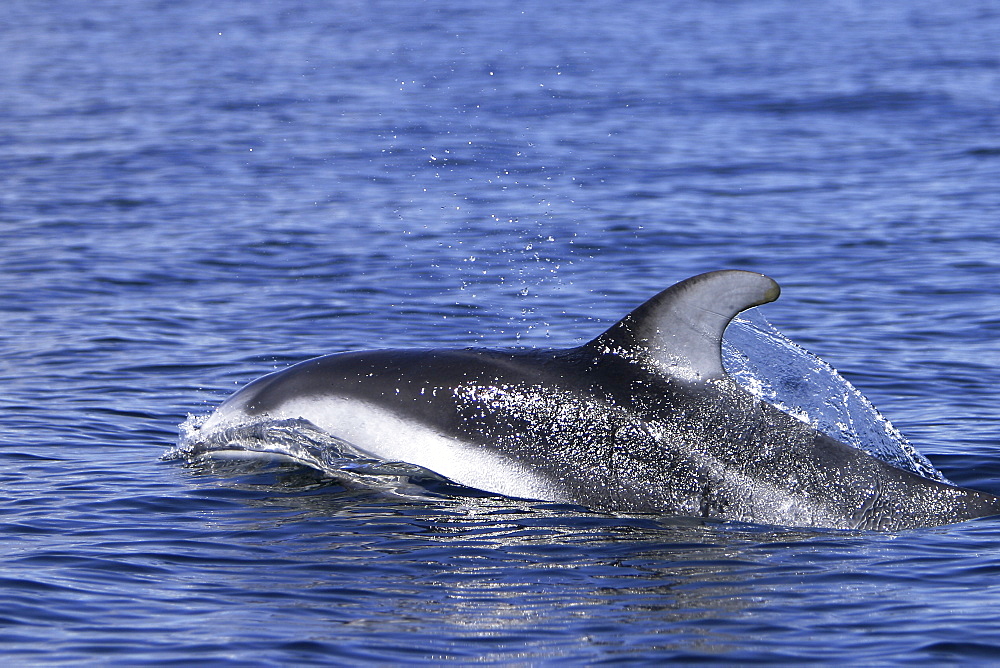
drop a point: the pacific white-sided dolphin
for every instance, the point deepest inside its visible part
(642, 419)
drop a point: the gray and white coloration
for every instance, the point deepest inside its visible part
(642, 419)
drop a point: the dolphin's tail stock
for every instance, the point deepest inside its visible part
(904, 500)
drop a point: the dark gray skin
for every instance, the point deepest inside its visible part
(642, 419)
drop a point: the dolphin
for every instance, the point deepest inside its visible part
(642, 419)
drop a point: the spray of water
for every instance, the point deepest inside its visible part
(791, 378)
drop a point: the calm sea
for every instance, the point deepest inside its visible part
(194, 194)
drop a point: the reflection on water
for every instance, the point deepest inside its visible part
(465, 565)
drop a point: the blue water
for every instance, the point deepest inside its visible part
(194, 194)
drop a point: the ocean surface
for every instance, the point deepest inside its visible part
(195, 194)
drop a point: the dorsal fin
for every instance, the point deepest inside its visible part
(679, 331)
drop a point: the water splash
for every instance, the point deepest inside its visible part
(794, 380)
(299, 441)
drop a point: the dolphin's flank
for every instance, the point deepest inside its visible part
(644, 418)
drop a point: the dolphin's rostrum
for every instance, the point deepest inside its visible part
(642, 419)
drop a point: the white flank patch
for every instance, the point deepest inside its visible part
(388, 436)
